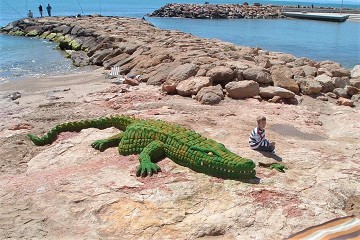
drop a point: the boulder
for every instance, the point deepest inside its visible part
(161, 73)
(258, 75)
(98, 57)
(355, 72)
(345, 102)
(111, 62)
(309, 71)
(242, 89)
(177, 75)
(352, 90)
(192, 85)
(281, 76)
(340, 72)
(287, 58)
(309, 86)
(128, 47)
(80, 58)
(298, 72)
(331, 95)
(321, 71)
(299, 62)
(325, 82)
(341, 82)
(355, 82)
(355, 98)
(340, 92)
(220, 74)
(270, 91)
(210, 95)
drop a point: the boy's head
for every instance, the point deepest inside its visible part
(261, 121)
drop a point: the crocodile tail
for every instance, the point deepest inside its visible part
(120, 122)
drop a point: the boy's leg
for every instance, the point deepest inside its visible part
(266, 149)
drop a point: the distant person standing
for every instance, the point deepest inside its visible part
(30, 14)
(40, 10)
(48, 8)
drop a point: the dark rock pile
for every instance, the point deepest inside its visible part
(217, 11)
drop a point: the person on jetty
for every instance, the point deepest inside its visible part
(40, 10)
(257, 138)
(30, 14)
(48, 8)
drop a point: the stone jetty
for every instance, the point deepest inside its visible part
(218, 11)
(183, 64)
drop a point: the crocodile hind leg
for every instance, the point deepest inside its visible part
(152, 152)
(104, 144)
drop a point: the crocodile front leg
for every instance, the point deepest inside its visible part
(104, 144)
(152, 152)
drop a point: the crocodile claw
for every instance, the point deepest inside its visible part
(99, 145)
(278, 166)
(147, 169)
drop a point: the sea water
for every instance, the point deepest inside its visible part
(313, 39)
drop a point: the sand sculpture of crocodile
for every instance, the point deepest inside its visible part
(156, 139)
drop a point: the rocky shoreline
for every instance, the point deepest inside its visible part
(236, 11)
(218, 11)
(190, 66)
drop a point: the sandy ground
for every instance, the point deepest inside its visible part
(68, 190)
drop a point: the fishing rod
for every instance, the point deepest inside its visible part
(82, 11)
(12, 8)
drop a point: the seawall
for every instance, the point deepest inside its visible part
(187, 65)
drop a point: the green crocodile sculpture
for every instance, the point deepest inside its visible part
(156, 139)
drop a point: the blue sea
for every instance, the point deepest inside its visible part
(313, 39)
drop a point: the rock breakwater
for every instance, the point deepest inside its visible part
(180, 63)
(218, 11)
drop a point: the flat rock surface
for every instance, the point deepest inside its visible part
(68, 190)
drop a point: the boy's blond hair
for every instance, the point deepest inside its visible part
(260, 118)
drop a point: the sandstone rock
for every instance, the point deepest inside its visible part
(298, 72)
(355, 98)
(80, 58)
(287, 58)
(329, 65)
(300, 62)
(341, 92)
(210, 95)
(355, 82)
(270, 91)
(326, 83)
(345, 102)
(355, 72)
(99, 56)
(242, 89)
(331, 95)
(129, 47)
(281, 77)
(321, 71)
(177, 75)
(340, 72)
(131, 81)
(341, 82)
(161, 73)
(275, 99)
(111, 62)
(322, 98)
(257, 75)
(309, 86)
(14, 95)
(192, 85)
(352, 90)
(309, 71)
(221, 74)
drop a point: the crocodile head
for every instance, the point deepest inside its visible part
(215, 159)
